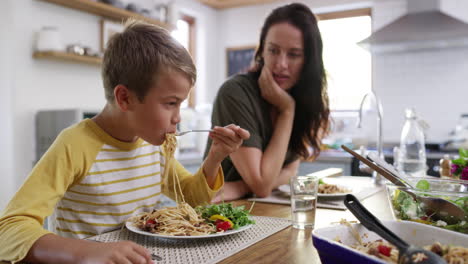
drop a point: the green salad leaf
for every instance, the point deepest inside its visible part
(423, 185)
(462, 202)
(460, 162)
(238, 215)
(463, 153)
(459, 227)
(408, 209)
(407, 206)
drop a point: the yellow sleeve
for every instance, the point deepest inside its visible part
(194, 187)
(21, 223)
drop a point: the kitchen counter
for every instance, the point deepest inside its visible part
(334, 155)
(327, 159)
(350, 165)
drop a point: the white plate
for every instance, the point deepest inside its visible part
(286, 189)
(135, 229)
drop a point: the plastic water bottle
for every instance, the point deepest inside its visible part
(412, 153)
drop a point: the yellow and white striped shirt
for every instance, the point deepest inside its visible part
(94, 182)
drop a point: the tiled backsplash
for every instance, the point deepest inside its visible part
(432, 81)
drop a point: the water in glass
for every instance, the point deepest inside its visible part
(303, 201)
(303, 210)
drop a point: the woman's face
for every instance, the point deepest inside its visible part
(283, 54)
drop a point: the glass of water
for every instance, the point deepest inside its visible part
(304, 191)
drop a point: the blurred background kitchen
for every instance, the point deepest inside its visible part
(417, 57)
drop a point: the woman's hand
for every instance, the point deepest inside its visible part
(231, 191)
(226, 140)
(273, 93)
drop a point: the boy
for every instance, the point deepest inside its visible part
(103, 170)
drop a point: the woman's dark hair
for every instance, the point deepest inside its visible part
(310, 92)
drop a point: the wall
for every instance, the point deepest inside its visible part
(6, 111)
(242, 26)
(28, 85)
(206, 19)
(208, 28)
(48, 84)
(432, 81)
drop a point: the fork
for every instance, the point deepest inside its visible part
(193, 130)
(155, 257)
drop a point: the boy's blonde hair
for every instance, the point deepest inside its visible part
(138, 55)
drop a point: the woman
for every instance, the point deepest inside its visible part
(283, 102)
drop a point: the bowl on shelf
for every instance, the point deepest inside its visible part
(405, 207)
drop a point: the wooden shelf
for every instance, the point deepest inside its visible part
(223, 4)
(63, 56)
(106, 11)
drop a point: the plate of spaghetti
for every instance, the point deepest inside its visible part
(324, 189)
(183, 221)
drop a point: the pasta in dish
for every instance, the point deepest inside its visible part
(388, 252)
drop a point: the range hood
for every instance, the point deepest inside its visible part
(425, 26)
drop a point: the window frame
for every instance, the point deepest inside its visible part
(191, 21)
(366, 11)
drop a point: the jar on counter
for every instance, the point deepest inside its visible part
(445, 166)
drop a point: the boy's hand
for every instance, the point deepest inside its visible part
(51, 248)
(226, 140)
(117, 252)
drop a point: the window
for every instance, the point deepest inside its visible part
(348, 66)
(185, 34)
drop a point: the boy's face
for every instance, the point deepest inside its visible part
(159, 112)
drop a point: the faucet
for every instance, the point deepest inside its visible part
(378, 180)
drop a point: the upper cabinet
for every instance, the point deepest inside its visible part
(223, 4)
(105, 10)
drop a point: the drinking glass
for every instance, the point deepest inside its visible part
(304, 191)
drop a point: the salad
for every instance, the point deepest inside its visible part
(224, 216)
(406, 208)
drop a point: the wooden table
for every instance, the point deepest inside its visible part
(292, 245)
(295, 246)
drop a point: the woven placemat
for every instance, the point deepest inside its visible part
(203, 250)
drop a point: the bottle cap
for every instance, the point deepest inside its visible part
(410, 113)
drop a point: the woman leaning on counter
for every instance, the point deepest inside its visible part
(282, 102)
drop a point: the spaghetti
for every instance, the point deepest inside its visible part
(451, 254)
(181, 220)
(326, 188)
(388, 252)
